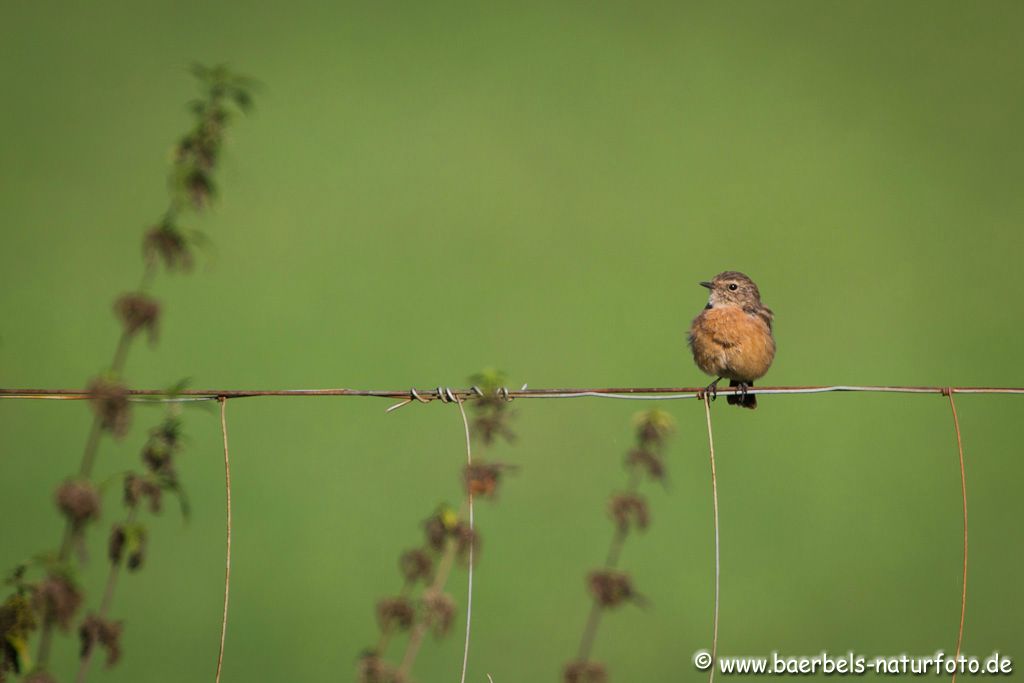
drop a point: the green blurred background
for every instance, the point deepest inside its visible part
(426, 189)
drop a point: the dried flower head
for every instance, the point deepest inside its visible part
(167, 243)
(466, 538)
(137, 552)
(646, 461)
(491, 409)
(110, 404)
(200, 188)
(373, 669)
(584, 672)
(202, 146)
(440, 526)
(397, 612)
(57, 598)
(629, 510)
(137, 312)
(611, 588)
(482, 478)
(116, 543)
(416, 565)
(78, 501)
(104, 632)
(438, 612)
(130, 540)
(653, 427)
(138, 488)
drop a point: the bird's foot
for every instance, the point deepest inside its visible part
(742, 389)
(712, 389)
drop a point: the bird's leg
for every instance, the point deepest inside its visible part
(712, 389)
(742, 388)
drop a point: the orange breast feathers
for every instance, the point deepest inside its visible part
(729, 342)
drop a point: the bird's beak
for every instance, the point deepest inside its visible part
(705, 284)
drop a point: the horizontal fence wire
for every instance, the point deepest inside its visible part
(448, 395)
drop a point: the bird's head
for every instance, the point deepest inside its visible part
(732, 288)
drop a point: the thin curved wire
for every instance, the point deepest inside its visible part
(714, 494)
(963, 495)
(227, 564)
(472, 542)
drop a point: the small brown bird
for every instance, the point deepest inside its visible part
(732, 336)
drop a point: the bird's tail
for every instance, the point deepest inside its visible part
(742, 400)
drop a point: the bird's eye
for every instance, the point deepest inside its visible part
(733, 287)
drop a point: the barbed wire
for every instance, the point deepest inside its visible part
(450, 395)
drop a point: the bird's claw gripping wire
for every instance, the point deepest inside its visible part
(710, 390)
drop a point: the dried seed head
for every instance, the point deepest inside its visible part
(139, 312)
(200, 189)
(97, 630)
(416, 565)
(110, 404)
(373, 669)
(115, 546)
(466, 538)
(167, 243)
(395, 612)
(611, 588)
(163, 443)
(646, 461)
(137, 489)
(440, 526)
(137, 551)
(57, 598)
(482, 479)
(629, 510)
(130, 540)
(438, 612)
(653, 427)
(78, 500)
(584, 672)
(491, 410)
(200, 148)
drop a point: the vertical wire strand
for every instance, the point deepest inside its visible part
(227, 563)
(963, 496)
(472, 542)
(714, 495)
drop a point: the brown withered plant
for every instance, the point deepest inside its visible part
(422, 606)
(53, 599)
(608, 586)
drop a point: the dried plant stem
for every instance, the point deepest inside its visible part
(227, 562)
(92, 443)
(589, 632)
(412, 648)
(963, 495)
(714, 495)
(618, 542)
(105, 604)
(469, 571)
(388, 630)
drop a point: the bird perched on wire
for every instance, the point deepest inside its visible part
(732, 337)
